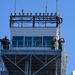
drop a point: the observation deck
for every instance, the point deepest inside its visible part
(30, 51)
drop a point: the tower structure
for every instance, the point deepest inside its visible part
(30, 51)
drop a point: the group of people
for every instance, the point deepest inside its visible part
(5, 43)
(60, 43)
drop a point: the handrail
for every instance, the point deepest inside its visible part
(29, 43)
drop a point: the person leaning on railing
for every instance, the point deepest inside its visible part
(53, 43)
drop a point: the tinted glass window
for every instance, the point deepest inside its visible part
(28, 41)
(17, 41)
(37, 41)
(47, 41)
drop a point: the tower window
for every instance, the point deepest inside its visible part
(47, 41)
(28, 41)
(17, 41)
(37, 41)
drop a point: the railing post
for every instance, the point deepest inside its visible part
(57, 45)
(30, 72)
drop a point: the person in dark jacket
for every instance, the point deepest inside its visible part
(61, 41)
(5, 42)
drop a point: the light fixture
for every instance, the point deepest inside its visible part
(30, 14)
(51, 14)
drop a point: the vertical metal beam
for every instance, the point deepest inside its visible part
(33, 21)
(57, 21)
(26, 66)
(1, 62)
(2, 65)
(10, 21)
(30, 64)
(62, 63)
(57, 32)
(15, 58)
(45, 59)
(56, 68)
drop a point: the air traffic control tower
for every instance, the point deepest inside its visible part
(30, 51)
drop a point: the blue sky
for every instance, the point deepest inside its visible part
(66, 8)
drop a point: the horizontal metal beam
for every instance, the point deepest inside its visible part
(50, 21)
(32, 15)
(31, 52)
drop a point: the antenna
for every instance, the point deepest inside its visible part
(46, 10)
(56, 6)
(46, 7)
(15, 6)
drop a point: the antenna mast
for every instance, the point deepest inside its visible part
(56, 6)
(46, 10)
(46, 7)
(15, 6)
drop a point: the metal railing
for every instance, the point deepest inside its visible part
(29, 43)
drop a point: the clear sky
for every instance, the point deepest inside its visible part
(66, 8)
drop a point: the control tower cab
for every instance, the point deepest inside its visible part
(37, 31)
(36, 47)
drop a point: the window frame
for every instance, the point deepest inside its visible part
(18, 39)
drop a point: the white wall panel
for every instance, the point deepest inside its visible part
(33, 31)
